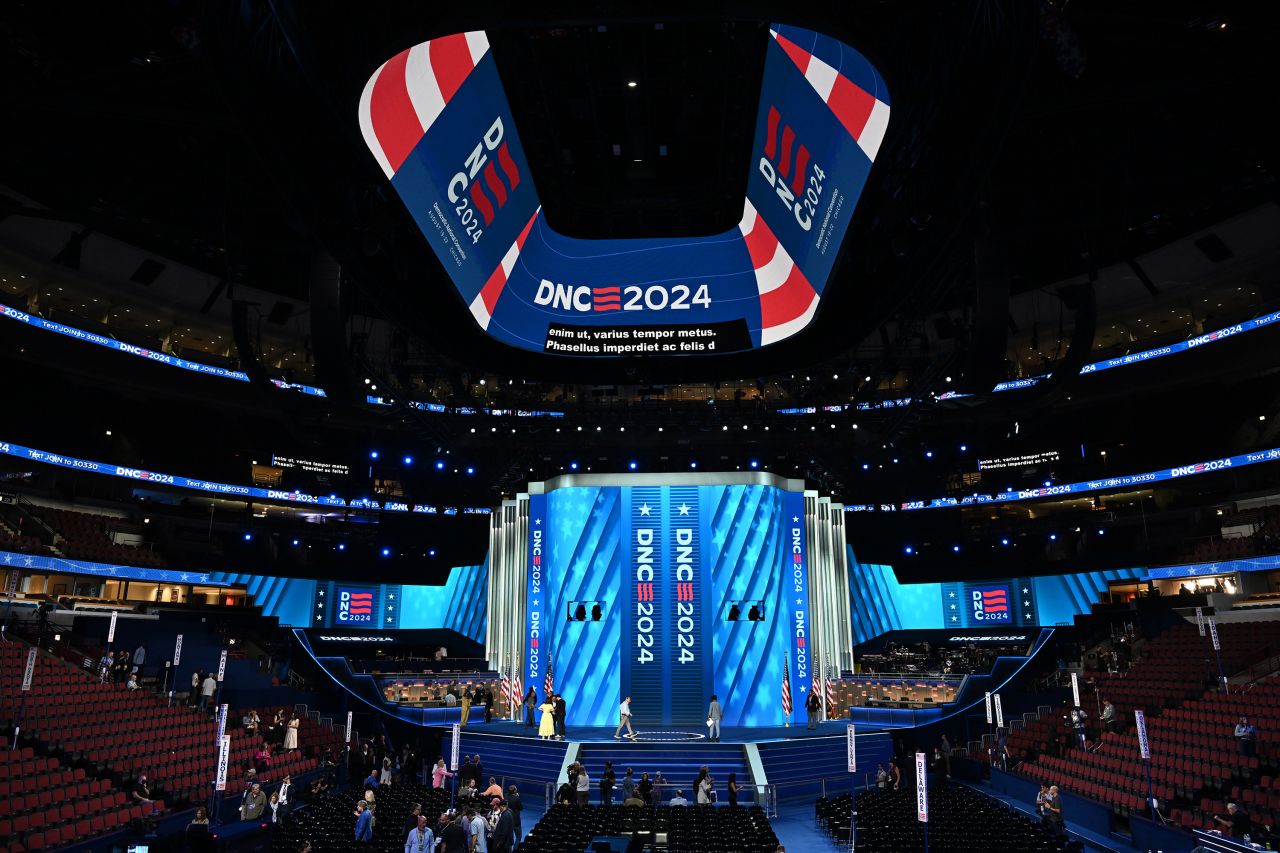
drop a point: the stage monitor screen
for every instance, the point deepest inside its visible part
(437, 120)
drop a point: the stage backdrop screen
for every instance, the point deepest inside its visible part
(665, 564)
(437, 120)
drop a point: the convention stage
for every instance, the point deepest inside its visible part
(678, 734)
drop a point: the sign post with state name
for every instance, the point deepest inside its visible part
(922, 797)
(454, 751)
(1144, 750)
(851, 750)
(1200, 620)
(1217, 653)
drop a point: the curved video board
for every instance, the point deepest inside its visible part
(437, 121)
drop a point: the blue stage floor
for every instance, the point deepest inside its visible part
(670, 734)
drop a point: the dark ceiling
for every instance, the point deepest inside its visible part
(1072, 134)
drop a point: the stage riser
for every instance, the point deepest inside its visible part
(678, 764)
(526, 759)
(798, 766)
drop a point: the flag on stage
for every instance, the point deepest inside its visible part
(831, 687)
(549, 683)
(786, 686)
(506, 686)
(517, 685)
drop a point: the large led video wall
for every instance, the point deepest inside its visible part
(665, 564)
(437, 120)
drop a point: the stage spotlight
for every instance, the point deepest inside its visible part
(470, 470)
(755, 464)
(909, 550)
(386, 552)
(734, 612)
(1101, 532)
(963, 448)
(928, 454)
(295, 543)
(248, 536)
(693, 464)
(373, 454)
(573, 466)
(342, 546)
(631, 465)
(580, 612)
(596, 613)
(408, 460)
(439, 464)
(754, 614)
(865, 466)
(1053, 537)
(1004, 541)
(955, 549)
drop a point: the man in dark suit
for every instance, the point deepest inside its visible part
(503, 837)
(559, 715)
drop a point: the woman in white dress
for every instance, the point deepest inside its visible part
(291, 733)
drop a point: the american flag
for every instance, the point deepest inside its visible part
(549, 683)
(506, 686)
(517, 685)
(831, 686)
(786, 686)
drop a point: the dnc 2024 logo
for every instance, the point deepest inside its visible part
(990, 604)
(354, 607)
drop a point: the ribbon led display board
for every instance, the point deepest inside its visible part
(437, 120)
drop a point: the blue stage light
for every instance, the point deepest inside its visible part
(470, 470)
(693, 464)
(631, 465)
(373, 454)
(755, 464)
(1004, 541)
(1048, 483)
(386, 552)
(909, 550)
(408, 460)
(928, 454)
(439, 464)
(866, 466)
(295, 543)
(1101, 532)
(573, 466)
(342, 546)
(431, 553)
(248, 536)
(1053, 537)
(963, 448)
(955, 548)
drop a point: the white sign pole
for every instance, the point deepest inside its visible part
(851, 748)
(922, 789)
(222, 722)
(348, 727)
(111, 629)
(222, 666)
(1213, 634)
(999, 712)
(29, 673)
(177, 653)
(1075, 688)
(224, 758)
(987, 701)
(1200, 620)
(1144, 749)
(456, 748)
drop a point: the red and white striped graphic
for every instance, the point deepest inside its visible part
(482, 306)
(865, 116)
(787, 300)
(406, 95)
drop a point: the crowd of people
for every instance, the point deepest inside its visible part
(643, 790)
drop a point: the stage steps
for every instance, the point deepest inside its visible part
(798, 766)
(678, 763)
(527, 759)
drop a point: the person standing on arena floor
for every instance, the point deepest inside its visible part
(364, 822)
(439, 773)
(624, 713)
(583, 786)
(1053, 811)
(714, 716)
(477, 829)
(560, 715)
(420, 839)
(895, 775)
(628, 785)
(253, 804)
(515, 806)
(607, 778)
(453, 835)
(504, 833)
(466, 707)
(291, 733)
(1042, 797)
(645, 789)
(207, 688)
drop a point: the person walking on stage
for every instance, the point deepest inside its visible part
(547, 725)
(714, 715)
(624, 711)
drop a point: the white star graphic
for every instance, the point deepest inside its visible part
(951, 595)
(535, 602)
(1026, 615)
(183, 576)
(1026, 604)
(322, 593)
(8, 558)
(798, 601)
(537, 521)
(795, 518)
(1025, 590)
(684, 509)
(953, 607)
(28, 561)
(644, 509)
(954, 618)
(392, 596)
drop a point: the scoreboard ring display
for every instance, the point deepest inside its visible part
(437, 121)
